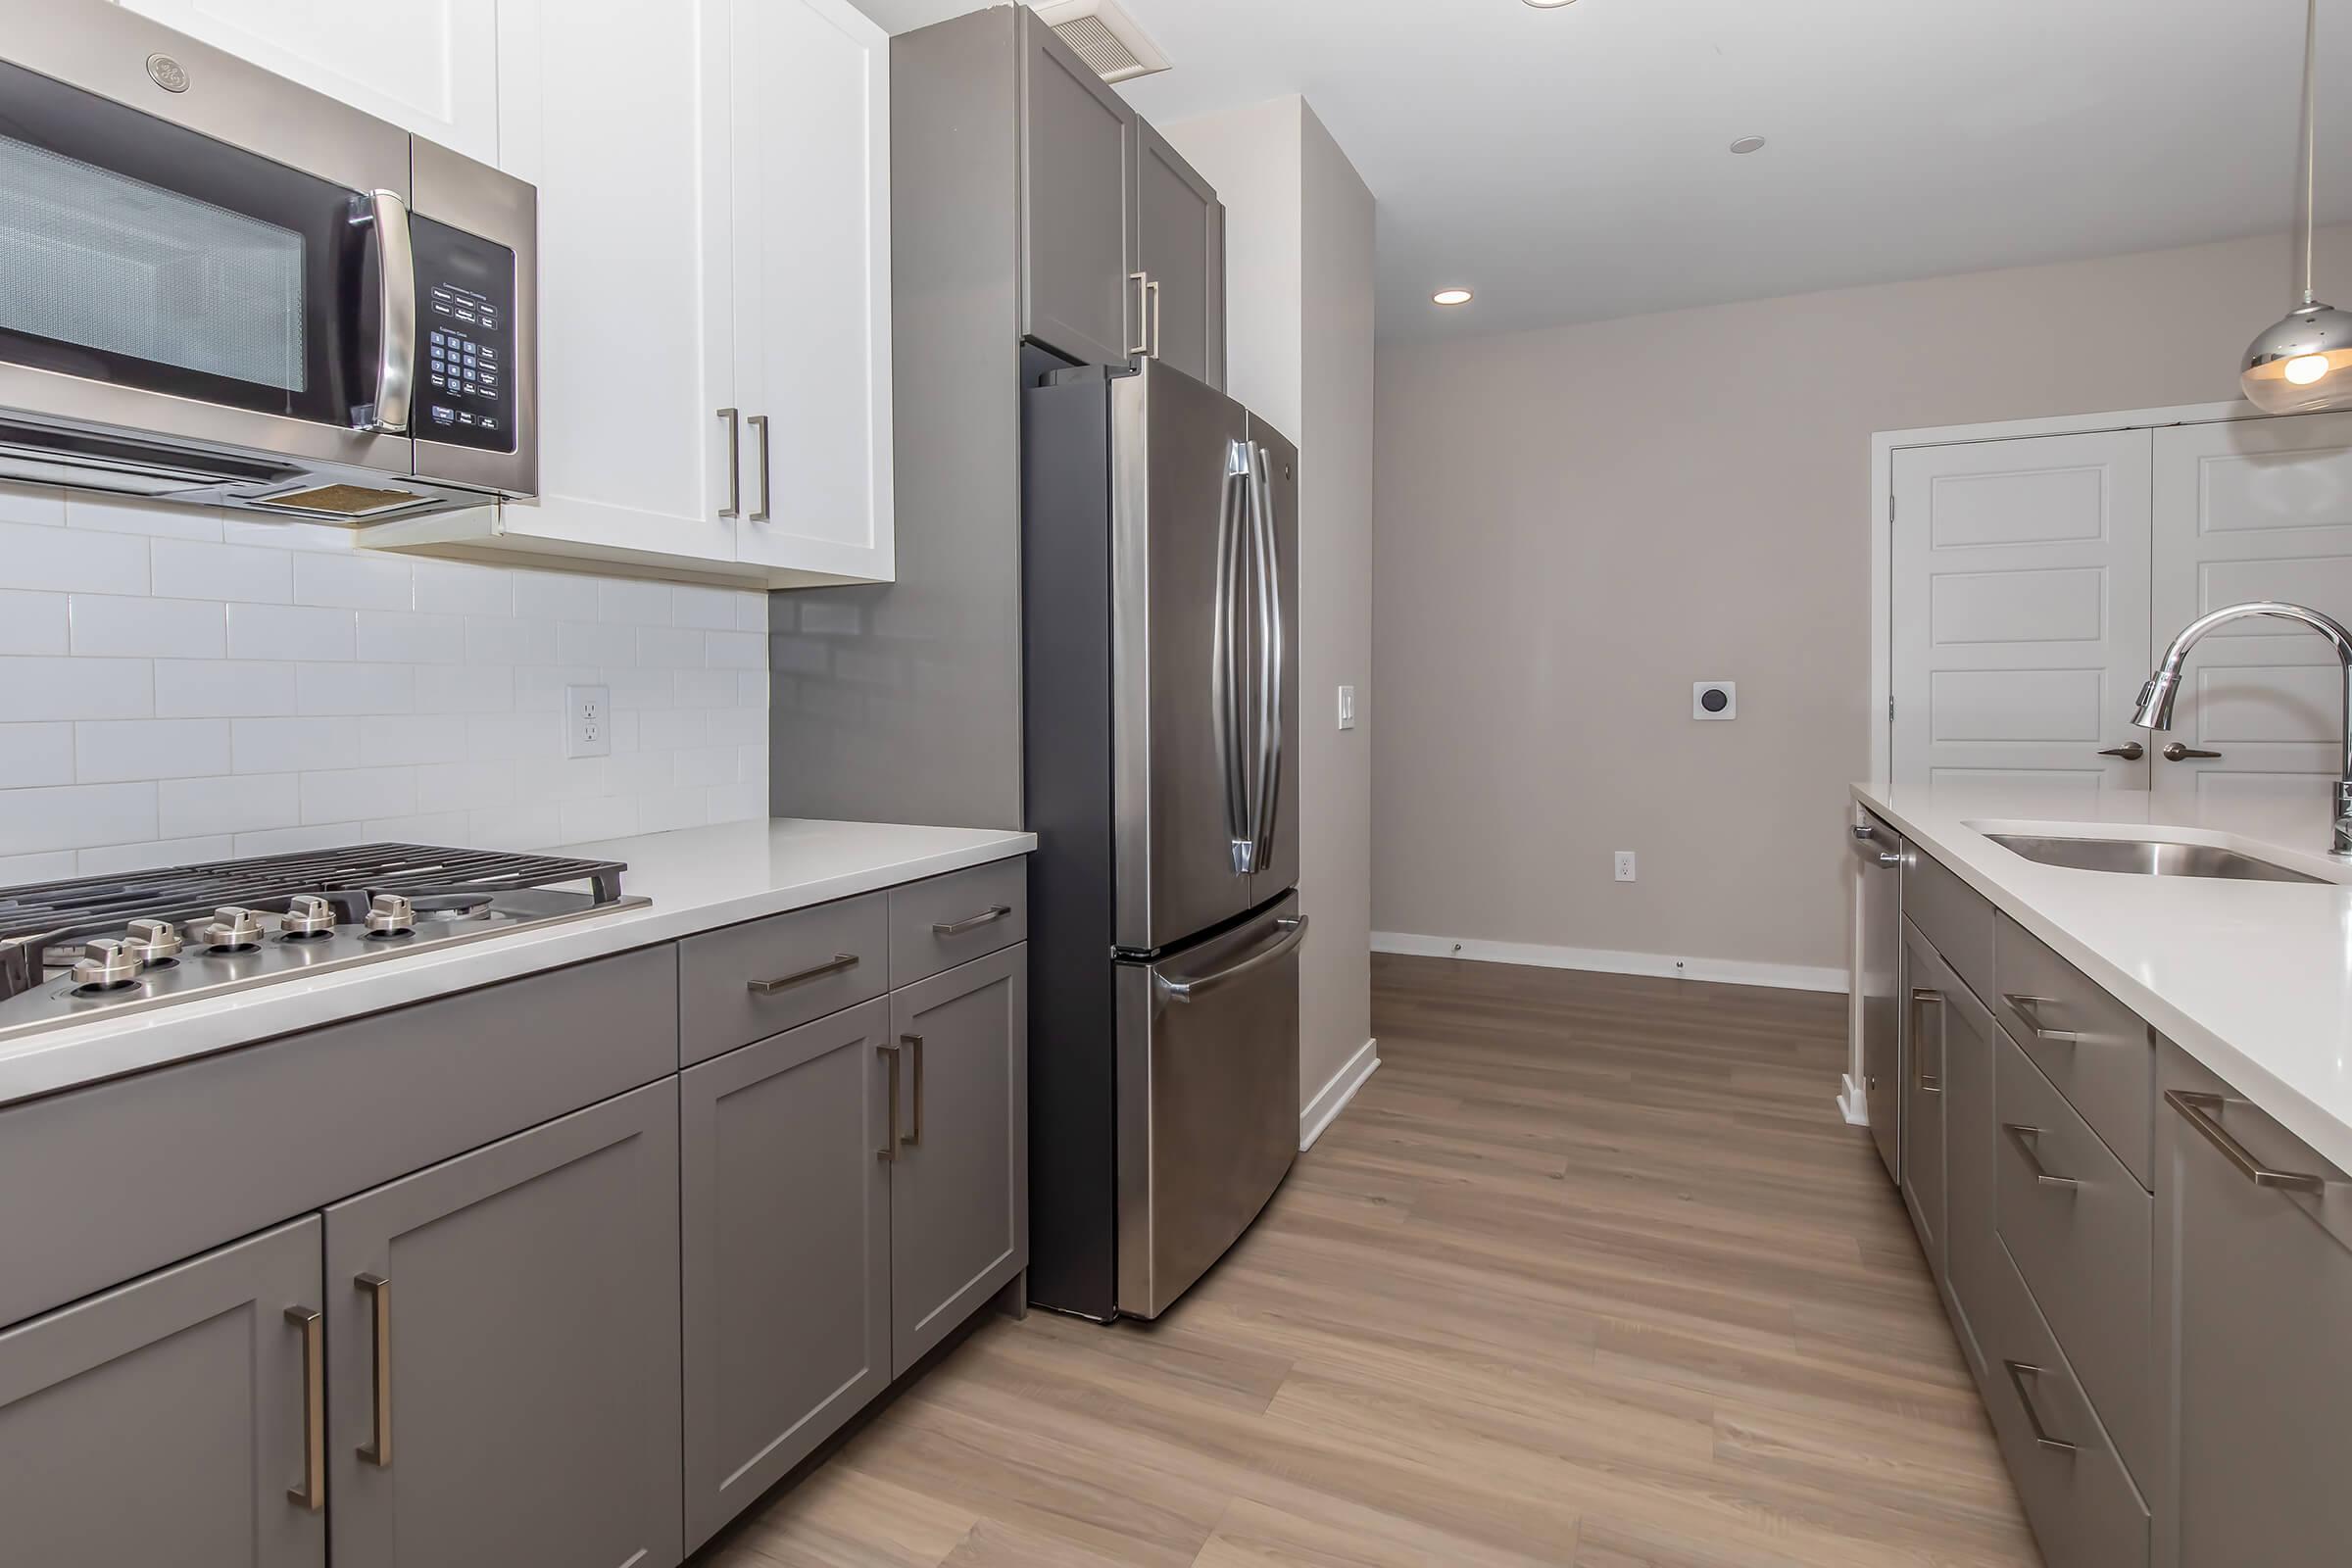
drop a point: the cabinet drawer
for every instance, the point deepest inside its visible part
(2077, 1495)
(2081, 1229)
(1952, 915)
(2094, 1048)
(953, 919)
(763, 977)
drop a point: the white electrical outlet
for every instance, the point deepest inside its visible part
(1625, 865)
(1346, 708)
(588, 726)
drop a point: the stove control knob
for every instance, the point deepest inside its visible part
(307, 916)
(391, 915)
(233, 927)
(153, 940)
(108, 961)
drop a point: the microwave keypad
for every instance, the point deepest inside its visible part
(465, 331)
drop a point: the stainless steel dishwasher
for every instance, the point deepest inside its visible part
(1881, 850)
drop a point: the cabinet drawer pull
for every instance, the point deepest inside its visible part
(2023, 1137)
(2028, 1011)
(734, 505)
(914, 1044)
(1924, 998)
(2203, 1113)
(889, 1151)
(312, 1493)
(957, 928)
(2019, 1371)
(377, 1450)
(1143, 322)
(785, 982)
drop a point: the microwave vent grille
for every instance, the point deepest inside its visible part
(342, 501)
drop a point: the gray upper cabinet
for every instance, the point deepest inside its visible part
(2254, 1232)
(786, 1242)
(1181, 252)
(1927, 1014)
(960, 1175)
(502, 1351)
(1078, 237)
(173, 1420)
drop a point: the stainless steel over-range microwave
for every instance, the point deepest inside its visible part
(216, 286)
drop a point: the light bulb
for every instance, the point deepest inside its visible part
(2307, 369)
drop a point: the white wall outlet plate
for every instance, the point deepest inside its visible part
(1714, 699)
(1346, 708)
(1625, 865)
(588, 721)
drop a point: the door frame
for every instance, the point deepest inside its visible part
(1885, 444)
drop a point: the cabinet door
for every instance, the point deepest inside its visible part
(1180, 249)
(503, 1352)
(2254, 1292)
(960, 1185)
(1927, 1011)
(811, 319)
(431, 69)
(1078, 207)
(787, 1253)
(618, 113)
(1971, 1249)
(163, 1422)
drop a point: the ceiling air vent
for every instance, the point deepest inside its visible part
(1105, 37)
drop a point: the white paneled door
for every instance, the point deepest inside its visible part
(2021, 611)
(2254, 509)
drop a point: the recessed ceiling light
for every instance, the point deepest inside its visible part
(1549, 5)
(1747, 145)
(1459, 296)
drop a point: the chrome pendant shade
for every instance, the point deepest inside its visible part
(2303, 364)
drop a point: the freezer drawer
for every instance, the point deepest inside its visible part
(1207, 1099)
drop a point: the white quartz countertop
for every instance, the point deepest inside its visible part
(2254, 979)
(698, 878)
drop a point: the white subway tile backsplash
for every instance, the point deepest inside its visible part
(735, 649)
(288, 535)
(592, 643)
(541, 686)
(750, 764)
(465, 786)
(114, 751)
(107, 858)
(555, 596)
(403, 636)
(516, 827)
(342, 794)
(399, 740)
(353, 581)
(52, 866)
(34, 755)
(566, 778)
(192, 568)
(751, 689)
(126, 514)
(706, 765)
(605, 818)
(666, 729)
(72, 560)
(708, 608)
(736, 727)
(217, 688)
(109, 626)
(460, 588)
(35, 503)
(289, 840)
(752, 613)
(738, 802)
(71, 815)
(438, 827)
(295, 745)
(639, 772)
(635, 604)
(355, 688)
(75, 688)
(706, 688)
(465, 688)
(238, 804)
(634, 689)
(291, 632)
(514, 737)
(32, 624)
(508, 641)
(670, 648)
(672, 808)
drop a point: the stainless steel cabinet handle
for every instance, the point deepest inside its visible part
(1863, 830)
(2029, 1012)
(1153, 289)
(312, 1493)
(396, 307)
(2130, 751)
(1295, 928)
(914, 1044)
(2019, 1371)
(785, 982)
(759, 423)
(1143, 327)
(889, 1151)
(2179, 752)
(2203, 1111)
(957, 928)
(733, 419)
(2023, 1137)
(377, 1450)
(1924, 998)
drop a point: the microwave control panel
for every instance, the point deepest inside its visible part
(465, 338)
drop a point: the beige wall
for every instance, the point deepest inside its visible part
(1573, 526)
(1299, 320)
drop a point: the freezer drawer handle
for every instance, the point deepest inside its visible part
(785, 982)
(957, 928)
(1294, 929)
(2199, 1110)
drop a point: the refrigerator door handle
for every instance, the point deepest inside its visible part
(1271, 656)
(1225, 657)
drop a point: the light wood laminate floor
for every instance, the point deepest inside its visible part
(1591, 1273)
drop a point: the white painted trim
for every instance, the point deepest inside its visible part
(1332, 1099)
(1721, 971)
(1852, 1103)
(1883, 444)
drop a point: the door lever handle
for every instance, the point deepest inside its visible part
(2178, 752)
(2130, 751)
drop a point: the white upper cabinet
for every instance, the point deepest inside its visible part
(428, 66)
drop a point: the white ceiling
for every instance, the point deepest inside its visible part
(1570, 165)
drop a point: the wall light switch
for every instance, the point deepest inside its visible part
(588, 722)
(1346, 708)
(1714, 699)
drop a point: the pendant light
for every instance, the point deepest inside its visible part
(2304, 364)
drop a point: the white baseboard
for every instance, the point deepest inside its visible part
(1721, 971)
(1852, 1103)
(1333, 1096)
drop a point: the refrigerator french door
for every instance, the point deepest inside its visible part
(1160, 615)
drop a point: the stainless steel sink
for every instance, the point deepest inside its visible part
(2148, 857)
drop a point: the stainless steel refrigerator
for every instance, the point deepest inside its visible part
(1160, 593)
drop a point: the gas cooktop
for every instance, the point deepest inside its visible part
(92, 947)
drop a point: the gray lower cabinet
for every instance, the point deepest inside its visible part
(171, 1420)
(1972, 1250)
(1180, 227)
(1078, 239)
(502, 1351)
(786, 1245)
(1926, 1016)
(2254, 1234)
(960, 1179)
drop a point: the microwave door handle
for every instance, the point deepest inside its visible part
(396, 301)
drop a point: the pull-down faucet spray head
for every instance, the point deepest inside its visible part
(2155, 710)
